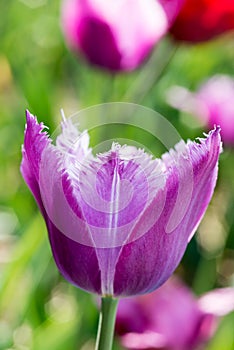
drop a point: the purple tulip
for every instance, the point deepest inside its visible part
(211, 104)
(172, 318)
(118, 223)
(116, 35)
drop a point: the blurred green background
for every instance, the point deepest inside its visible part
(38, 308)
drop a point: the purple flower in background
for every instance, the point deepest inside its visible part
(118, 222)
(212, 104)
(117, 35)
(172, 318)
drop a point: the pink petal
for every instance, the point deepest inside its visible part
(147, 340)
(218, 302)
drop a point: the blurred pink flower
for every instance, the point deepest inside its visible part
(172, 318)
(116, 35)
(201, 20)
(212, 104)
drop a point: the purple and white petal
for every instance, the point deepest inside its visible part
(42, 170)
(155, 255)
(35, 141)
(111, 192)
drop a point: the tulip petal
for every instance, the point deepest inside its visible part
(35, 141)
(218, 302)
(154, 256)
(75, 261)
(78, 263)
(147, 340)
(71, 142)
(111, 192)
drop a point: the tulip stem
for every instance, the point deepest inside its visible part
(106, 325)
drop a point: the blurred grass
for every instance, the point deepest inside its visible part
(38, 309)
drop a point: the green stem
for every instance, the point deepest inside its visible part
(106, 324)
(152, 72)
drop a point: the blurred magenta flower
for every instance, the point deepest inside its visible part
(212, 104)
(117, 35)
(201, 20)
(119, 222)
(172, 318)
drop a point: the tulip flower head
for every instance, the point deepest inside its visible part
(211, 104)
(201, 20)
(116, 35)
(118, 222)
(172, 318)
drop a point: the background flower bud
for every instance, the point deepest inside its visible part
(212, 104)
(201, 20)
(116, 35)
(172, 318)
